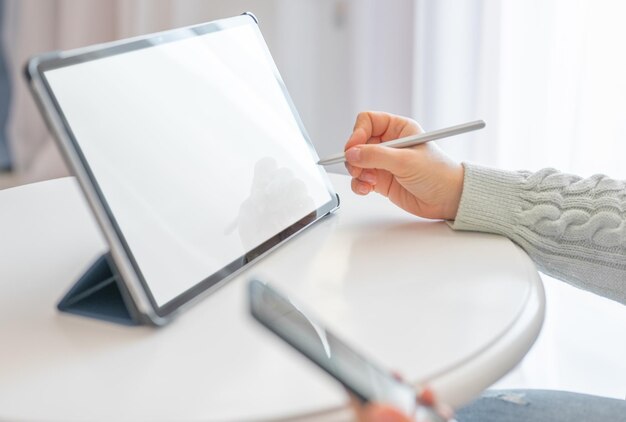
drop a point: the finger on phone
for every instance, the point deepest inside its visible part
(382, 413)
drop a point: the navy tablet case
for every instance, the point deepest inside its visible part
(99, 294)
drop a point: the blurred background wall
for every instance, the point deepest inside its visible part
(548, 76)
(322, 48)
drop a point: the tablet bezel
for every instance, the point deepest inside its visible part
(128, 269)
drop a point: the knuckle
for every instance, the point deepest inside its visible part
(360, 118)
(404, 126)
(364, 117)
(399, 127)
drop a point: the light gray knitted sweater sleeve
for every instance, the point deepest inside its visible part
(573, 228)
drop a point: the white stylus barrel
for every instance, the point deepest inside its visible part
(410, 141)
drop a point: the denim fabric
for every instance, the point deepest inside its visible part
(5, 99)
(542, 406)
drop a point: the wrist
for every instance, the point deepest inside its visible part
(457, 176)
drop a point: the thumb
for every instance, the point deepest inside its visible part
(376, 156)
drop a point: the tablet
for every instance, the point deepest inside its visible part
(189, 151)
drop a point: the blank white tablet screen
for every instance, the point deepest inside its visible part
(195, 150)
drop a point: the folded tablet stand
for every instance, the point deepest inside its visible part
(98, 294)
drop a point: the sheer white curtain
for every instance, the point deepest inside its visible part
(549, 77)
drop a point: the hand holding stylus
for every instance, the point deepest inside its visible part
(421, 180)
(413, 140)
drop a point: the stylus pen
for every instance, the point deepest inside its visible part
(409, 141)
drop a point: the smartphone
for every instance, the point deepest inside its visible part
(365, 379)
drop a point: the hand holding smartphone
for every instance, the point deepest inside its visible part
(364, 379)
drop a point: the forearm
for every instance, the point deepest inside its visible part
(573, 228)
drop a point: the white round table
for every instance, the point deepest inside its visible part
(455, 309)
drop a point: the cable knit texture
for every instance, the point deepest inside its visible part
(573, 228)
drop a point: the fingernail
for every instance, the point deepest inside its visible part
(363, 189)
(353, 155)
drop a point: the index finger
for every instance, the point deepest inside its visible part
(379, 127)
(368, 124)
